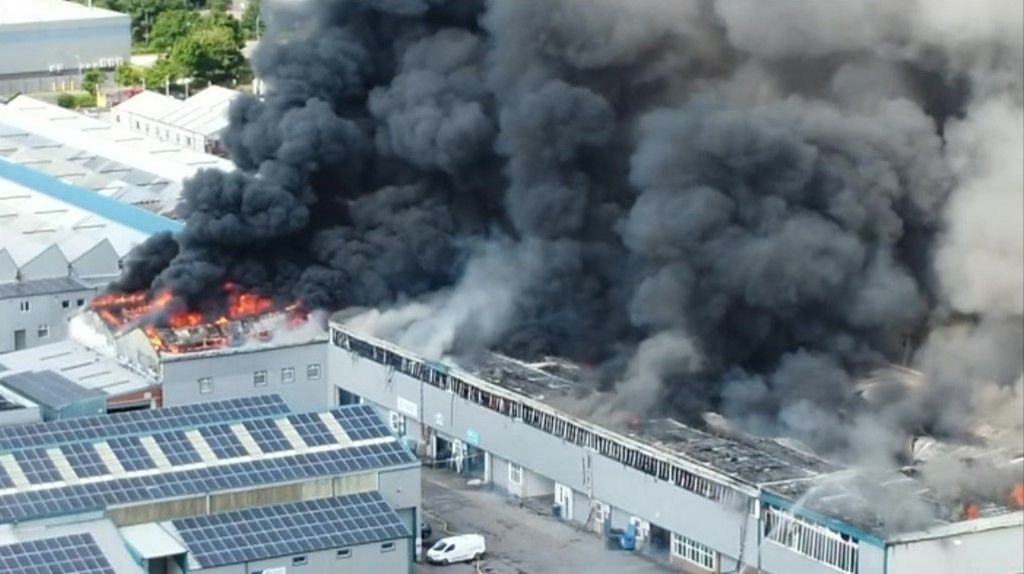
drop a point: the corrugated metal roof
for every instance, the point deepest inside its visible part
(41, 287)
(206, 112)
(49, 389)
(113, 210)
(149, 104)
(83, 366)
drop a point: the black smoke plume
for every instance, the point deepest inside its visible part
(724, 205)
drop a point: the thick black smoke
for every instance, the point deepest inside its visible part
(721, 210)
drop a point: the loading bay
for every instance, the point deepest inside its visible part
(519, 540)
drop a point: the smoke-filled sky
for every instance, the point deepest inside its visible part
(734, 205)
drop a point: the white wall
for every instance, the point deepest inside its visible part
(43, 310)
(998, 551)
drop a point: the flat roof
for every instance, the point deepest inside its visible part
(82, 365)
(29, 11)
(798, 481)
(35, 544)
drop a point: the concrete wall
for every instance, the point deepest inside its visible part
(43, 310)
(161, 130)
(232, 376)
(364, 558)
(67, 46)
(997, 551)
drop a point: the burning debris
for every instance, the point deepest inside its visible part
(172, 328)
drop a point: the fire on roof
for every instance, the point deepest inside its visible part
(174, 329)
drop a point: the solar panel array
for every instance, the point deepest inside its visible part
(77, 553)
(131, 453)
(50, 388)
(37, 466)
(259, 533)
(84, 497)
(222, 441)
(177, 448)
(137, 423)
(312, 429)
(84, 459)
(267, 435)
(361, 422)
(5, 481)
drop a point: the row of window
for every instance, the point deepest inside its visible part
(823, 544)
(261, 379)
(26, 306)
(341, 554)
(694, 552)
(436, 375)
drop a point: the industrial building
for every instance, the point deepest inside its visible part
(254, 349)
(702, 500)
(195, 123)
(76, 194)
(236, 486)
(56, 42)
(59, 244)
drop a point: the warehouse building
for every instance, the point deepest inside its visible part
(704, 501)
(56, 42)
(59, 244)
(195, 123)
(234, 486)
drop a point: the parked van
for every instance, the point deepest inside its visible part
(462, 548)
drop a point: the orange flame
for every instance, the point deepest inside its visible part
(186, 319)
(248, 305)
(971, 512)
(1018, 494)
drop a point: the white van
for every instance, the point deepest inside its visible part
(462, 548)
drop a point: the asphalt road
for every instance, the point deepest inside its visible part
(519, 541)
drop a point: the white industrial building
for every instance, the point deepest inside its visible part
(710, 500)
(59, 244)
(224, 487)
(47, 45)
(195, 123)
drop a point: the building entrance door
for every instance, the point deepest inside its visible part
(19, 339)
(563, 498)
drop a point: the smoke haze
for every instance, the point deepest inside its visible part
(730, 205)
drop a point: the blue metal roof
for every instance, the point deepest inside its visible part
(105, 207)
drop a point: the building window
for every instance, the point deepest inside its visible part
(44, 331)
(136, 125)
(65, 304)
(300, 560)
(313, 372)
(205, 386)
(693, 551)
(259, 379)
(80, 302)
(515, 473)
(344, 553)
(24, 306)
(387, 547)
(288, 375)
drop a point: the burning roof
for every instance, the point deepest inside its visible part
(172, 328)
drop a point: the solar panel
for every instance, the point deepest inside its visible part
(50, 389)
(361, 422)
(131, 453)
(76, 553)
(287, 529)
(267, 435)
(177, 447)
(84, 460)
(84, 497)
(138, 423)
(312, 429)
(223, 442)
(37, 466)
(5, 481)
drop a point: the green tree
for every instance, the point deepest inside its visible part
(252, 25)
(164, 71)
(128, 75)
(170, 27)
(209, 56)
(219, 5)
(92, 80)
(66, 100)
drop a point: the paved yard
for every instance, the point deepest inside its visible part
(519, 541)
